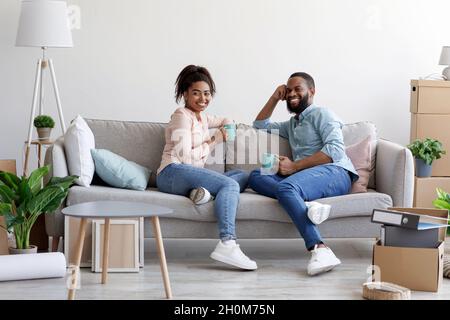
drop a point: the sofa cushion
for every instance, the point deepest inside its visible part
(250, 144)
(78, 142)
(251, 205)
(118, 171)
(140, 142)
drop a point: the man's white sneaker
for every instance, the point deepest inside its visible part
(318, 212)
(231, 254)
(200, 196)
(322, 260)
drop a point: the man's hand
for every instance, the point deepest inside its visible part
(267, 110)
(286, 166)
(280, 93)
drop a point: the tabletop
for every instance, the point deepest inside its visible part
(115, 209)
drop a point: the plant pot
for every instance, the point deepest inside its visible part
(31, 249)
(44, 133)
(422, 169)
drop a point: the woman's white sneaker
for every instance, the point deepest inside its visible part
(231, 254)
(318, 212)
(322, 260)
(200, 196)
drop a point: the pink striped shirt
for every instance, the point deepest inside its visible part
(187, 138)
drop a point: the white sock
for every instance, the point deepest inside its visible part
(229, 242)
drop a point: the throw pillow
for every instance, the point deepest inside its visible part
(353, 132)
(78, 142)
(359, 154)
(118, 171)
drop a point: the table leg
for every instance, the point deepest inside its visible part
(78, 252)
(162, 256)
(105, 250)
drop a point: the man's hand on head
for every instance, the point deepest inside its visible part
(286, 166)
(280, 93)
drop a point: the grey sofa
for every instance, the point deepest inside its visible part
(258, 216)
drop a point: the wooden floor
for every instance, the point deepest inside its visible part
(281, 275)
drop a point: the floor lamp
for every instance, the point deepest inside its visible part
(43, 24)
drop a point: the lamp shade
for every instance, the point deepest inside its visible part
(445, 56)
(44, 23)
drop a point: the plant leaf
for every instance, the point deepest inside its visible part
(6, 194)
(65, 182)
(441, 204)
(11, 221)
(5, 208)
(55, 204)
(11, 180)
(44, 198)
(34, 181)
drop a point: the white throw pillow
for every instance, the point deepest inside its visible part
(78, 142)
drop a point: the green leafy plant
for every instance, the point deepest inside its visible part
(442, 202)
(428, 150)
(23, 199)
(44, 121)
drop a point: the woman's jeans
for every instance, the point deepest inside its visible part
(180, 179)
(306, 185)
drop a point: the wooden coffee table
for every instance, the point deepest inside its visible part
(116, 209)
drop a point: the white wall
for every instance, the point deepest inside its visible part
(127, 55)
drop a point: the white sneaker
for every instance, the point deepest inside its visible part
(318, 212)
(322, 260)
(231, 254)
(200, 196)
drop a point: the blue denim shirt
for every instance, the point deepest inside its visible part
(316, 129)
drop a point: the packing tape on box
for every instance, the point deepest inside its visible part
(32, 266)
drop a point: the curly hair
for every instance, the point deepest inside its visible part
(188, 76)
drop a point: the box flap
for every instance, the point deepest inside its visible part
(430, 83)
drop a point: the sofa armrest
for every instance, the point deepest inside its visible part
(56, 158)
(394, 172)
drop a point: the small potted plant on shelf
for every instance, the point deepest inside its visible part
(44, 125)
(23, 200)
(442, 201)
(425, 152)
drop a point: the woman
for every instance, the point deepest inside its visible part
(188, 145)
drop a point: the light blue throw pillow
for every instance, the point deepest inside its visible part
(118, 171)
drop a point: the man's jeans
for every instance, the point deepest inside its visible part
(306, 185)
(180, 179)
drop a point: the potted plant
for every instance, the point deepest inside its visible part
(442, 201)
(22, 200)
(44, 125)
(425, 152)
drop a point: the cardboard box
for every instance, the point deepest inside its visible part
(123, 245)
(8, 166)
(434, 126)
(71, 228)
(425, 190)
(430, 96)
(414, 268)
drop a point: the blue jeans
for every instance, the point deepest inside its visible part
(180, 179)
(306, 185)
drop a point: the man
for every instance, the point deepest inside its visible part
(320, 168)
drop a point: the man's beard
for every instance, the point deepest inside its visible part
(302, 105)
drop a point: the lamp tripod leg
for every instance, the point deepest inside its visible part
(37, 84)
(58, 100)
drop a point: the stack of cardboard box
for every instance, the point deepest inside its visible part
(409, 255)
(430, 118)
